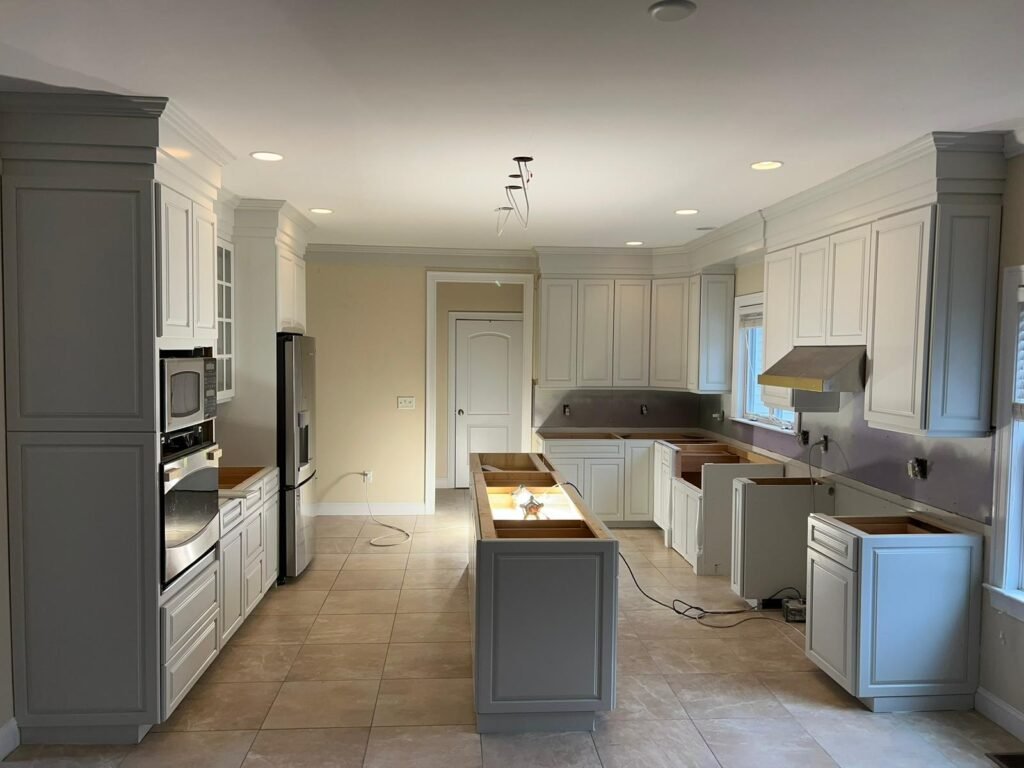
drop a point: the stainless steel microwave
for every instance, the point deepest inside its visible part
(189, 388)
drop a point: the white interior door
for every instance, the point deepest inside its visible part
(488, 390)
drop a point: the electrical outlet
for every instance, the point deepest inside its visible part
(368, 476)
(406, 403)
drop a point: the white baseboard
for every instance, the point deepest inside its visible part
(380, 509)
(999, 712)
(10, 737)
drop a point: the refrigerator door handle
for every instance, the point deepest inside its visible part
(296, 487)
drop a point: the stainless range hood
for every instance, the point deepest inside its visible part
(818, 369)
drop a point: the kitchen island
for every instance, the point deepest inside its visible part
(543, 577)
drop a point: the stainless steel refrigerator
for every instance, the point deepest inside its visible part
(296, 403)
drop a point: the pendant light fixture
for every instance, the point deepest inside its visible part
(503, 211)
(517, 194)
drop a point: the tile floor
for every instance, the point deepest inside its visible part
(365, 661)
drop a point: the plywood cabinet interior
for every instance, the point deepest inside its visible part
(594, 333)
(557, 333)
(669, 312)
(632, 333)
(931, 320)
(778, 318)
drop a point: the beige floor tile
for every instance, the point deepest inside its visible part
(438, 579)
(771, 654)
(375, 562)
(68, 756)
(372, 529)
(436, 746)
(866, 739)
(344, 661)
(431, 628)
(712, 696)
(309, 748)
(764, 743)
(333, 545)
(429, 660)
(644, 697)
(539, 750)
(693, 654)
(962, 737)
(434, 601)
(223, 707)
(652, 744)
(285, 602)
(213, 749)
(680, 576)
(809, 693)
(425, 702)
(339, 526)
(632, 657)
(327, 562)
(314, 580)
(351, 628)
(397, 544)
(361, 601)
(271, 629)
(323, 704)
(438, 561)
(369, 580)
(252, 664)
(440, 542)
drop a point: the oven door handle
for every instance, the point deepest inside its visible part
(296, 487)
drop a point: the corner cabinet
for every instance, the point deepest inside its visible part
(709, 365)
(186, 254)
(931, 320)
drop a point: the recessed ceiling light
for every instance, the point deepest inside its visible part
(672, 10)
(634, 242)
(705, 229)
(267, 157)
(321, 210)
(687, 212)
(766, 165)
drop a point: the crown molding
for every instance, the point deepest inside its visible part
(196, 134)
(544, 251)
(1013, 142)
(83, 103)
(328, 250)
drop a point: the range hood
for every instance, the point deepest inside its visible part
(818, 369)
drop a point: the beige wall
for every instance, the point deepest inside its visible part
(371, 343)
(1002, 637)
(465, 297)
(750, 278)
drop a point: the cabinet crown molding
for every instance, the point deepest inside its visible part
(194, 133)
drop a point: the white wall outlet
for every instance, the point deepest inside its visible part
(368, 475)
(406, 403)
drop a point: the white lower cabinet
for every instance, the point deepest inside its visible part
(603, 483)
(832, 634)
(253, 584)
(271, 541)
(678, 517)
(664, 458)
(598, 470)
(639, 490)
(232, 601)
(571, 471)
(686, 520)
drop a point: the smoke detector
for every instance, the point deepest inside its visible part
(672, 10)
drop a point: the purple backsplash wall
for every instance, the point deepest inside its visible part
(959, 469)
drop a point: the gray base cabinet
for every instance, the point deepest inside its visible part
(893, 610)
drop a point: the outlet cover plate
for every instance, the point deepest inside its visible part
(406, 403)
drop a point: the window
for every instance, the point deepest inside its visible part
(748, 395)
(225, 321)
(1007, 576)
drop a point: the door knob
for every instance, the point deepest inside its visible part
(460, 412)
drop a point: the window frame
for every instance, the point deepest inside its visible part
(1006, 577)
(738, 401)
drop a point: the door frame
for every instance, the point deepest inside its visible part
(527, 282)
(448, 480)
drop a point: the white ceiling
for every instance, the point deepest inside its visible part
(403, 115)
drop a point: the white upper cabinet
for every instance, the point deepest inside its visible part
(291, 292)
(714, 361)
(778, 318)
(596, 307)
(669, 302)
(931, 320)
(811, 279)
(632, 333)
(557, 333)
(187, 254)
(300, 293)
(846, 302)
(693, 334)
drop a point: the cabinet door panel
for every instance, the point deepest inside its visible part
(692, 529)
(285, 293)
(232, 603)
(79, 305)
(639, 480)
(811, 267)
(847, 301)
(778, 318)
(175, 259)
(205, 260)
(604, 487)
(717, 298)
(693, 321)
(594, 333)
(900, 277)
(832, 618)
(669, 303)
(678, 517)
(558, 333)
(571, 471)
(271, 540)
(300, 294)
(631, 344)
